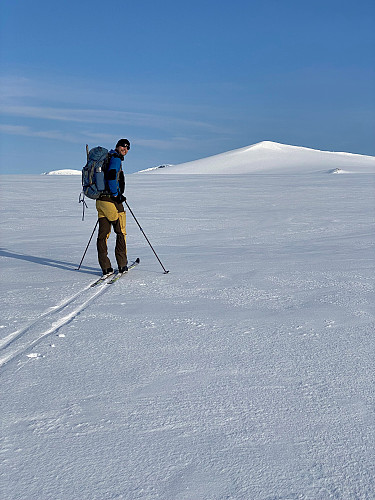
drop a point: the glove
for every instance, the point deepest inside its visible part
(119, 198)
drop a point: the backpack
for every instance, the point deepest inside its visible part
(93, 173)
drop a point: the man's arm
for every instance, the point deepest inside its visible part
(112, 173)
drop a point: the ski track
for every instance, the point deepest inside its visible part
(49, 322)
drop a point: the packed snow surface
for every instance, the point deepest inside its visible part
(246, 373)
(272, 157)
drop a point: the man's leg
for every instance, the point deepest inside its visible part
(119, 227)
(103, 235)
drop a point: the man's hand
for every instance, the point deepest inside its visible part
(119, 198)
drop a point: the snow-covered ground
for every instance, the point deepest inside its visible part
(247, 372)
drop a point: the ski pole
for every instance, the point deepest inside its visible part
(148, 241)
(88, 244)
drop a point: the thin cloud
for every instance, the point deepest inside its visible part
(29, 98)
(175, 142)
(37, 109)
(76, 138)
(90, 137)
(104, 116)
(22, 130)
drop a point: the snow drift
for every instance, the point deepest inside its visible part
(272, 157)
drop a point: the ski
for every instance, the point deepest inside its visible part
(117, 276)
(102, 279)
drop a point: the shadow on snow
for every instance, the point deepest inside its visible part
(45, 261)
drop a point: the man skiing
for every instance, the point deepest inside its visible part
(111, 210)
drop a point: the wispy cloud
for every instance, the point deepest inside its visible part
(174, 142)
(25, 131)
(92, 137)
(78, 113)
(28, 98)
(77, 138)
(104, 116)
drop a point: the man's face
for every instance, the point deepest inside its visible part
(123, 150)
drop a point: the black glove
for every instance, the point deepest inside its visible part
(119, 198)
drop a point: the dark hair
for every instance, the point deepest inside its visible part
(123, 143)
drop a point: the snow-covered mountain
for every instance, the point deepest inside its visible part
(272, 157)
(65, 171)
(157, 167)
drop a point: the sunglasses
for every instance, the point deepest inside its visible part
(127, 146)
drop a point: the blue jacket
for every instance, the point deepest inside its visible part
(114, 175)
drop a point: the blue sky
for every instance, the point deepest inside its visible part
(182, 80)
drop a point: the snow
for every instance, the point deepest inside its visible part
(245, 373)
(338, 171)
(155, 168)
(65, 171)
(272, 157)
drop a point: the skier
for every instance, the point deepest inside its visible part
(111, 210)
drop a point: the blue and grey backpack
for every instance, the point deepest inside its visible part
(93, 173)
